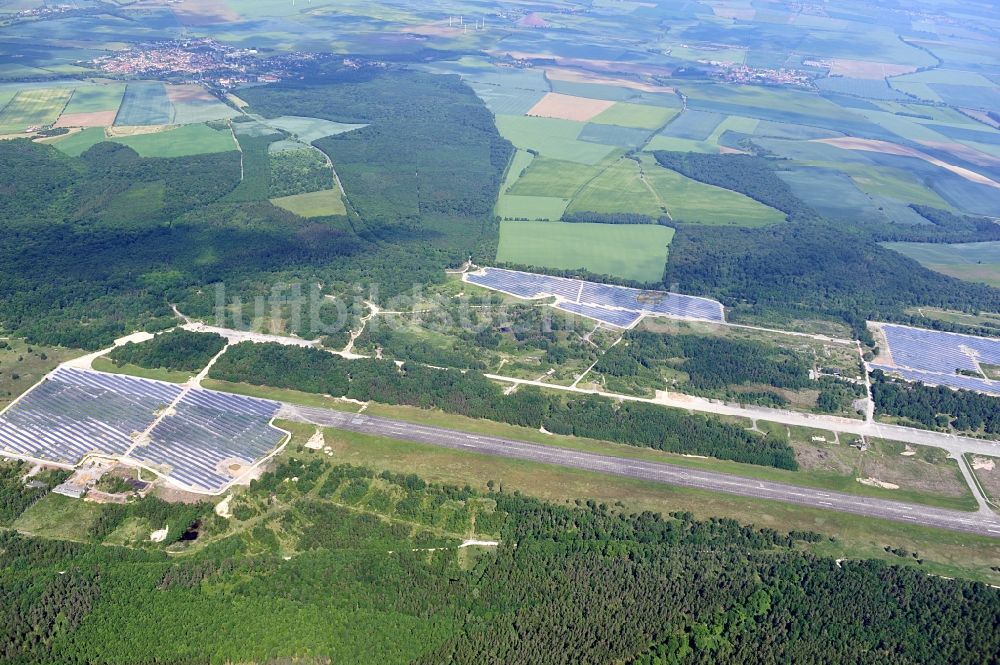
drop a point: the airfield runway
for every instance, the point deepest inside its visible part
(983, 523)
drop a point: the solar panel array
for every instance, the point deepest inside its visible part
(616, 317)
(525, 284)
(206, 432)
(934, 357)
(74, 413)
(938, 379)
(576, 295)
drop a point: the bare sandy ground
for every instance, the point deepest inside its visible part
(568, 107)
(95, 119)
(873, 145)
(875, 482)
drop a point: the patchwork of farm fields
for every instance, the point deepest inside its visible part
(631, 251)
(33, 108)
(67, 103)
(168, 142)
(145, 103)
(973, 262)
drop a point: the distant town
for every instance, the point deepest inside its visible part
(204, 60)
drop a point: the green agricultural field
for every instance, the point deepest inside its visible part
(710, 143)
(555, 177)
(697, 203)
(632, 251)
(33, 108)
(621, 187)
(973, 262)
(313, 204)
(512, 206)
(551, 137)
(96, 98)
(519, 163)
(145, 103)
(770, 101)
(177, 142)
(308, 130)
(640, 116)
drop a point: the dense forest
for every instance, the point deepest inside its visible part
(936, 407)
(471, 394)
(346, 564)
(709, 362)
(98, 245)
(426, 167)
(177, 349)
(812, 268)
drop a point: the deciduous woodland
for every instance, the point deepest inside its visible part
(364, 567)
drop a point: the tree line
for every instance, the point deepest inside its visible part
(178, 349)
(936, 407)
(472, 394)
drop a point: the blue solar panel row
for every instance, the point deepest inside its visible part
(74, 413)
(209, 431)
(942, 354)
(576, 293)
(616, 317)
(934, 351)
(525, 284)
(941, 379)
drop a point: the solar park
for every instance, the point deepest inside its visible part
(200, 444)
(618, 306)
(935, 357)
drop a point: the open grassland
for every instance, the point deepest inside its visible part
(313, 204)
(640, 116)
(945, 553)
(171, 142)
(636, 252)
(57, 516)
(987, 473)
(973, 262)
(159, 374)
(22, 365)
(697, 203)
(552, 137)
(924, 474)
(33, 108)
